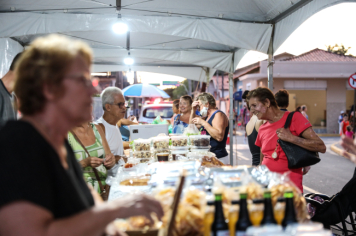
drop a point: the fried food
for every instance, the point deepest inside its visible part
(211, 162)
(138, 181)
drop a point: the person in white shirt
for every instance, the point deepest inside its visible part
(114, 110)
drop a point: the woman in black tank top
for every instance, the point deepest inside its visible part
(214, 122)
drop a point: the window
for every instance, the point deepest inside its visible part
(153, 112)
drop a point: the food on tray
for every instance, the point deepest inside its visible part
(142, 144)
(145, 160)
(179, 141)
(135, 181)
(143, 154)
(139, 222)
(175, 156)
(211, 162)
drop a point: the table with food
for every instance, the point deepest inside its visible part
(216, 199)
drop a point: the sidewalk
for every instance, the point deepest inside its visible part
(336, 147)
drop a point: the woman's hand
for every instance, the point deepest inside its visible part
(198, 121)
(109, 161)
(94, 161)
(285, 135)
(349, 146)
(139, 205)
(112, 230)
(195, 105)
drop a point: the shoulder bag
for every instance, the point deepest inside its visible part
(297, 156)
(103, 189)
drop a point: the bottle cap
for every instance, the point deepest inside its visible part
(243, 195)
(288, 194)
(267, 194)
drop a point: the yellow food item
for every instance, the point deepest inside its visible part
(135, 182)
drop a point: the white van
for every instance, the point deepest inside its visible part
(150, 111)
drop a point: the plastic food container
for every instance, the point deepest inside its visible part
(177, 153)
(179, 141)
(142, 144)
(143, 154)
(161, 142)
(163, 156)
(145, 160)
(199, 140)
(200, 149)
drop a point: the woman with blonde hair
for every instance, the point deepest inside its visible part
(44, 190)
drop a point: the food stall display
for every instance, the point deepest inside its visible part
(206, 175)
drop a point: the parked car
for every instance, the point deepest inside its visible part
(150, 111)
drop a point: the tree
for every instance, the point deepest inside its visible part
(340, 50)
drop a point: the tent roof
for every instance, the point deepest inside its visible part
(176, 37)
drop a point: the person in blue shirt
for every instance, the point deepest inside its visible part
(181, 120)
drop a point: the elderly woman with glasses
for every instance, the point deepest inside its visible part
(213, 122)
(43, 190)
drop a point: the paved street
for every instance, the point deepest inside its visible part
(328, 176)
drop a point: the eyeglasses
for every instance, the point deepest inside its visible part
(81, 79)
(121, 104)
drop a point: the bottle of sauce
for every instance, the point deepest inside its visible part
(268, 216)
(209, 217)
(243, 220)
(219, 226)
(289, 215)
(233, 216)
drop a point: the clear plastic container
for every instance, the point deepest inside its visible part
(200, 149)
(145, 160)
(199, 140)
(176, 153)
(162, 156)
(143, 154)
(161, 142)
(179, 141)
(142, 144)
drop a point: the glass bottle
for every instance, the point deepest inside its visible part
(289, 215)
(243, 220)
(233, 216)
(268, 216)
(219, 226)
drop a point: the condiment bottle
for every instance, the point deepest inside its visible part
(244, 220)
(209, 217)
(233, 216)
(219, 226)
(268, 216)
(289, 215)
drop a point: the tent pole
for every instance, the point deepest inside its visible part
(270, 62)
(231, 113)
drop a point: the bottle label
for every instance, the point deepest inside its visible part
(221, 233)
(240, 233)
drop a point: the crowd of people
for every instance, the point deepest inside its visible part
(55, 144)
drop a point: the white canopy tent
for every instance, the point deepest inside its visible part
(187, 38)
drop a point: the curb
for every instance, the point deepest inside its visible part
(328, 135)
(337, 150)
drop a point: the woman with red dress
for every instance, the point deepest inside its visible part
(263, 105)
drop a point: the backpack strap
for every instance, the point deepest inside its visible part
(289, 120)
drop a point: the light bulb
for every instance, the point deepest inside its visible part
(128, 61)
(120, 28)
